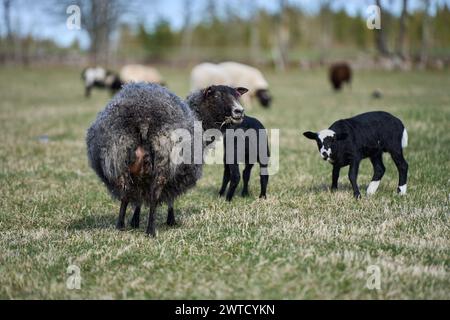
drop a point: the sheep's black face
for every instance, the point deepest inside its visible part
(264, 97)
(224, 105)
(326, 142)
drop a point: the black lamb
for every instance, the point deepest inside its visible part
(367, 135)
(246, 142)
(130, 143)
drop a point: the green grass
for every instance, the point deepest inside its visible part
(303, 242)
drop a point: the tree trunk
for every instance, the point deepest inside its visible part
(282, 38)
(10, 48)
(380, 37)
(186, 41)
(425, 35)
(402, 31)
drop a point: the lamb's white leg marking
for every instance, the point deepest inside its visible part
(373, 186)
(404, 138)
(402, 190)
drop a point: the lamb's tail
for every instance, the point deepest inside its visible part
(404, 138)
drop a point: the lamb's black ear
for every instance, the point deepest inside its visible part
(310, 135)
(241, 90)
(341, 136)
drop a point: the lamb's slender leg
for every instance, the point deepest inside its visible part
(123, 210)
(225, 180)
(246, 177)
(353, 176)
(235, 177)
(263, 180)
(170, 214)
(335, 177)
(378, 172)
(134, 223)
(402, 167)
(87, 91)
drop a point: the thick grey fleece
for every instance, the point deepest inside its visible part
(142, 115)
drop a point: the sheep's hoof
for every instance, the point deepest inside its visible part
(334, 189)
(357, 195)
(171, 222)
(120, 226)
(221, 193)
(134, 224)
(151, 233)
(229, 198)
(262, 196)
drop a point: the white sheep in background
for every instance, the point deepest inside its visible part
(140, 73)
(233, 74)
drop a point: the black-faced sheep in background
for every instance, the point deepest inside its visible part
(340, 73)
(248, 144)
(98, 77)
(129, 144)
(367, 135)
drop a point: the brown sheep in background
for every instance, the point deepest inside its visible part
(339, 74)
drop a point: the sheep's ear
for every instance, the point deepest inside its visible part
(341, 136)
(310, 135)
(241, 90)
(208, 91)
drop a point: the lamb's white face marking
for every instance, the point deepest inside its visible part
(402, 190)
(237, 113)
(325, 133)
(324, 151)
(373, 186)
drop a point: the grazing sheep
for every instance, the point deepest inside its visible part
(367, 135)
(233, 74)
(140, 73)
(339, 74)
(247, 142)
(129, 144)
(99, 77)
(206, 74)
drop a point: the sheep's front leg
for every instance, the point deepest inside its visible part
(335, 177)
(225, 180)
(170, 214)
(151, 229)
(264, 180)
(353, 176)
(235, 177)
(121, 220)
(134, 223)
(158, 185)
(87, 91)
(246, 178)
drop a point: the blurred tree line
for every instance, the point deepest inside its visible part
(289, 34)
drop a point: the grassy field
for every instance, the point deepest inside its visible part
(303, 242)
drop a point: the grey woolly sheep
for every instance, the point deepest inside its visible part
(129, 144)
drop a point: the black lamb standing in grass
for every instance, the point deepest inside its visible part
(367, 135)
(340, 73)
(246, 142)
(130, 144)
